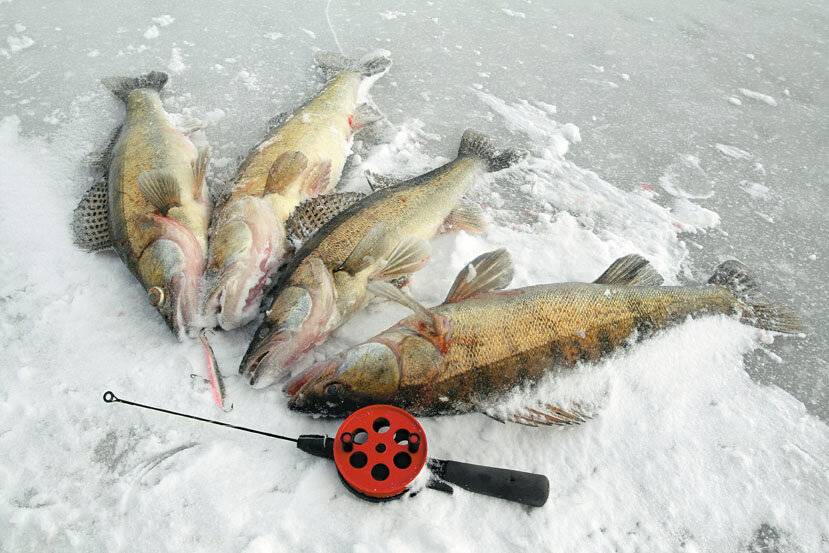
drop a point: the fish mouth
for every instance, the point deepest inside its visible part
(179, 309)
(306, 390)
(270, 359)
(309, 377)
(235, 297)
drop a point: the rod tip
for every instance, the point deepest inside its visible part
(109, 397)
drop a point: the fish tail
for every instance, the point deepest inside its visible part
(373, 63)
(478, 144)
(122, 86)
(757, 311)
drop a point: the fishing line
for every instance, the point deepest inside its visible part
(331, 27)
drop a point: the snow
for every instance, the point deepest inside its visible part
(151, 32)
(685, 451)
(759, 96)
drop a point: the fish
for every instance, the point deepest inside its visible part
(151, 204)
(484, 341)
(381, 237)
(301, 157)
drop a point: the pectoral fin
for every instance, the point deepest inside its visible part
(468, 217)
(284, 171)
(409, 256)
(161, 188)
(90, 221)
(630, 270)
(540, 415)
(490, 271)
(312, 214)
(395, 294)
(364, 116)
(200, 171)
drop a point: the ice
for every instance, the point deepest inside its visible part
(19, 43)
(693, 445)
(164, 20)
(732, 151)
(151, 32)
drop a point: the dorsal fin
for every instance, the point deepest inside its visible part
(161, 188)
(630, 270)
(376, 181)
(313, 213)
(90, 221)
(490, 271)
(285, 170)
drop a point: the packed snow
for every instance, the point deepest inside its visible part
(685, 452)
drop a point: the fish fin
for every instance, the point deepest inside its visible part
(490, 271)
(200, 171)
(478, 144)
(161, 189)
(757, 311)
(377, 181)
(90, 220)
(631, 270)
(122, 86)
(407, 257)
(539, 415)
(372, 63)
(365, 115)
(736, 277)
(313, 213)
(285, 170)
(214, 375)
(468, 217)
(393, 293)
(362, 255)
(275, 122)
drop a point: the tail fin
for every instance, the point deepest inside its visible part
(757, 311)
(122, 86)
(474, 143)
(373, 63)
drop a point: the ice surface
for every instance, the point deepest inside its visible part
(685, 453)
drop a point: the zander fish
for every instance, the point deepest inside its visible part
(469, 352)
(302, 157)
(151, 204)
(380, 237)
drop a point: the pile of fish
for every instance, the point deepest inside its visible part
(206, 266)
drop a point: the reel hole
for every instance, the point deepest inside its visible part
(381, 425)
(358, 459)
(380, 472)
(360, 436)
(401, 437)
(402, 460)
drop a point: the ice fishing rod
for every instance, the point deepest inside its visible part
(379, 450)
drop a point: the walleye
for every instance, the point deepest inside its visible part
(302, 156)
(482, 342)
(379, 238)
(152, 204)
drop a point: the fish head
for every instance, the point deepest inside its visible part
(301, 316)
(171, 270)
(363, 375)
(244, 253)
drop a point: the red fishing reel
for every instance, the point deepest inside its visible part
(379, 450)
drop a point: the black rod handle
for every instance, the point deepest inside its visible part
(526, 488)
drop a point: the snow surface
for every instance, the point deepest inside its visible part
(685, 452)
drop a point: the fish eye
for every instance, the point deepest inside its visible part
(156, 296)
(333, 390)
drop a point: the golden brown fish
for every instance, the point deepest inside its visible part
(302, 156)
(378, 238)
(152, 204)
(482, 341)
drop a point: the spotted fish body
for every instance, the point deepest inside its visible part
(482, 342)
(152, 205)
(326, 280)
(302, 157)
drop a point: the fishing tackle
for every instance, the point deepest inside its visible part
(379, 450)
